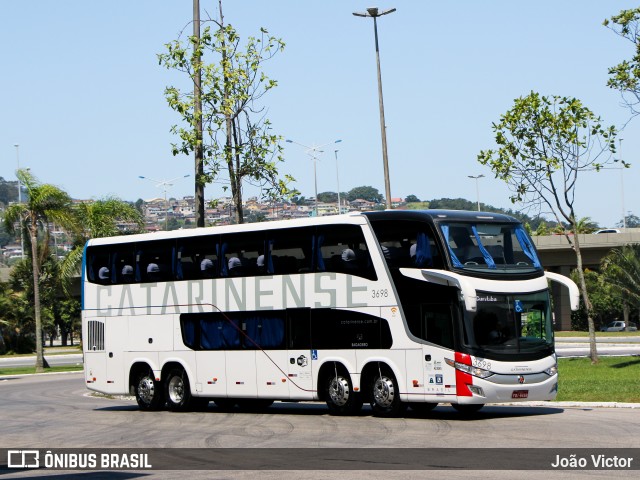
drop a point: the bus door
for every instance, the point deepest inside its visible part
(300, 357)
(436, 327)
(115, 333)
(94, 356)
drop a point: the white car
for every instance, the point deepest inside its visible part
(618, 326)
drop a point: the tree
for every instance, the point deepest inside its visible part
(411, 199)
(328, 197)
(237, 136)
(365, 193)
(543, 144)
(605, 300)
(621, 269)
(45, 203)
(630, 221)
(625, 77)
(99, 218)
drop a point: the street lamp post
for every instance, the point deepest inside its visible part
(20, 199)
(477, 177)
(164, 185)
(374, 13)
(624, 217)
(338, 183)
(314, 152)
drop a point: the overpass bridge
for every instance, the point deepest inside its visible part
(556, 255)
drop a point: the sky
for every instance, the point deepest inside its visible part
(82, 92)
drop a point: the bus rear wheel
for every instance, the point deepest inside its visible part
(148, 392)
(341, 399)
(178, 392)
(385, 395)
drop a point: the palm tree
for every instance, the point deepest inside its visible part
(45, 203)
(621, 269)
(99, 218)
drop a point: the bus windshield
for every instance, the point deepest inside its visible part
(490, 247)
(510, 324)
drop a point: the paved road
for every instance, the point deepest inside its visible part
(579, 346)
(54, 360)
(55, 411)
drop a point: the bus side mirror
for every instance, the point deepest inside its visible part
(574, 293)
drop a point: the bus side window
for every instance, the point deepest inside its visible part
(344, 250)
(240, 252)
(98, 265)
(197, 258)
(154, 261)
(289, 251)
(122, 264)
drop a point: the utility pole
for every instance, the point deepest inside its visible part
(197, 111)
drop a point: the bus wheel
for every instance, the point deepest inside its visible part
(422, 407)
(178, 391)
(385, 396)
(341, 399)
(149, 393)
(467, 409)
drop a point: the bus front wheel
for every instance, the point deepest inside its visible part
(385, 395)
(148, 392)
(341, 399)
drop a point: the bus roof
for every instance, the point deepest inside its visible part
(351, 218)
(441, 215)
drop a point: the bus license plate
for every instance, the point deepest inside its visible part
(520, 394)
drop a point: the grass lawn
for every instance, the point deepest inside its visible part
(613, 379)
(27, 370)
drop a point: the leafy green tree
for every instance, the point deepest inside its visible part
(45, 203)
(543, 144)
(625, 77)
(105, 217)
(8, 191)
(16, 321)
(605, 300)
(411, 199)
(631, 221)
(621, 270)
(237, 136)
(367, 193)
(328, 197)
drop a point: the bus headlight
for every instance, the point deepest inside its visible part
(552, 370)
(475, 371)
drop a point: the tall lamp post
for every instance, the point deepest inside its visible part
(164, 185)
(374, 13)
(19, 198)
(477, 177)
(338, 183)
(314, 152)
(624, 216)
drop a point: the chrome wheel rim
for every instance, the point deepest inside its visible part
(176, 390)
(146, 389)
(384, 392)
(339, 391)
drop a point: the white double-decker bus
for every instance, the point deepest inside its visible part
(392, 308)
